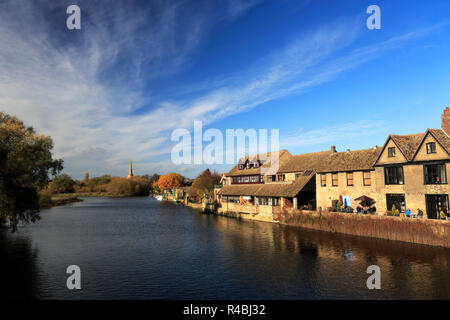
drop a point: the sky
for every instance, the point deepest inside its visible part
(115, 90)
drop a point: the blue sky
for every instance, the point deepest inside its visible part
(116, 89)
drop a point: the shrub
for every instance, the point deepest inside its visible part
(62, 184)
(45, 201)
(135, 186)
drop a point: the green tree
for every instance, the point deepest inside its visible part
(25, 164)
(62, 184)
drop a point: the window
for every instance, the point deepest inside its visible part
(307, 173)
(256, 164)
(241, 166)
(261, 178)
(366, 178)
(397, 200)
(350, 179)
(281, 177)
(268, 201)
(434, 174)
(391, 152)
(431, 147)
(271, 178)
(334, 179)
(323, 180)
(254, 179)
(435, 204)
(233, 199)
(297, 175)
(248, 165)
(393, 175)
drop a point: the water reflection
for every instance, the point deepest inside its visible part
(18, 268)
(139, 248)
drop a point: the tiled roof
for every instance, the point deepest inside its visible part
(281, 155)
(240, 190)
(408, 144)
(328, 161)
(442, 138)
(269, 189)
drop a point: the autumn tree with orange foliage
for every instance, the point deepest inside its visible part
(170, 181)
(203, 185)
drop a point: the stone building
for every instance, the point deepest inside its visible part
(409, 171)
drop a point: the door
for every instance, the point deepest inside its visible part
(436, 203)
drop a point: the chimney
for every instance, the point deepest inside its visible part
(445, 123)
(348, 150)
(375, 147)
(333, 148)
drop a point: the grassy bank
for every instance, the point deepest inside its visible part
(47, 201)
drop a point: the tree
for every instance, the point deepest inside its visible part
(62, 184)
(204, 184)
(170, 181)
(25, 164)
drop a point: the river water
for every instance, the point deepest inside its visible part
(139, 248)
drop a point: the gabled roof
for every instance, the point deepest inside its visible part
(282, 156)
(442, 138)
(329, 161)
(410, 144)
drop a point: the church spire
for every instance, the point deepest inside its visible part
(130, 171)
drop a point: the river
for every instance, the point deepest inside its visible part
(139, 248)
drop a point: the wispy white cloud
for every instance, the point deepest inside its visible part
(84, 91)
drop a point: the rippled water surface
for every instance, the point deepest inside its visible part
(139, 248)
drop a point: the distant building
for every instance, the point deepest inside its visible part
(130, 170)
(408, 172)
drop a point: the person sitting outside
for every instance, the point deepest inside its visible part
(408, 213)
(442, 215)
(419, 214)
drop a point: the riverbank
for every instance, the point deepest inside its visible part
(48, 201)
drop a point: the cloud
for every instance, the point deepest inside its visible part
(87, 88)
(83, 87)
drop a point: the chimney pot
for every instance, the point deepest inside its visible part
(333, 148)
(348, 150)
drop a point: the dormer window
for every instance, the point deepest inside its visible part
(256, 164)
(241, 166)
(431, 147)
(391, 152)
(248, 165)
